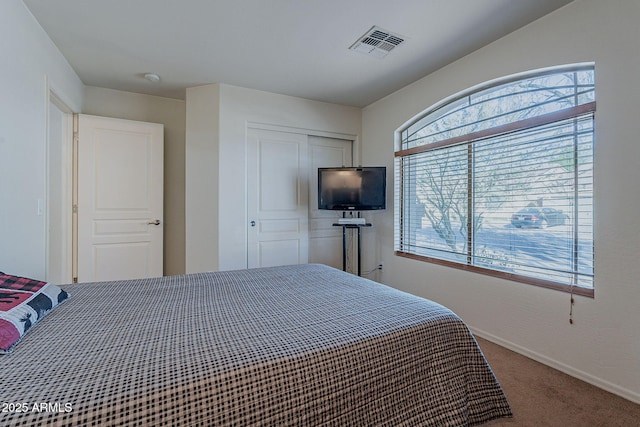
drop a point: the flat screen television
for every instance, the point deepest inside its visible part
(352, 188)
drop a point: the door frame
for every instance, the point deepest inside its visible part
(66, 169)
(355, 155)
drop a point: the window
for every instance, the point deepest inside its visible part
(500, 181)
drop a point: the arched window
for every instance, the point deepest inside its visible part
(499, 180)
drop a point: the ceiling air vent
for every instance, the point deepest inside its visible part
(377, 42)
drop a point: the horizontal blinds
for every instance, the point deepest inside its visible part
(502, 129)
(518, 202)
(507, 104)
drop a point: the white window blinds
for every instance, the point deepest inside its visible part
(500, 181)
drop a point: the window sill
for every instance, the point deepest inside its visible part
(575, 290)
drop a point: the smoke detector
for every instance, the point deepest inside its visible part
(377, 42)
(152, 77)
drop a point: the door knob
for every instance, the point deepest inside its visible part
(253, 223)
(156, 222)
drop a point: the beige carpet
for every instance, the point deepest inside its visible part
(542, 396)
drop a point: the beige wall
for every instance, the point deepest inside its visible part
(202, 178)
(603, 344)
(171, 113)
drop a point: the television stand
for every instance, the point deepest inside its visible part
(344, 242)
(358, 221)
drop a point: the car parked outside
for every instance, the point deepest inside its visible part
(538, 217)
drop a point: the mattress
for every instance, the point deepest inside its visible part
(300, 345)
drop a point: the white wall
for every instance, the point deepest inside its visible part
(226, 226)
(603, 345)
(31, 66)
(171, 113)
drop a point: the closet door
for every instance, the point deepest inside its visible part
(325, 241)
(277, 204)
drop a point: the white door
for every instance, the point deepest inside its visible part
(120, 196)
(277, 198)
(325, 241)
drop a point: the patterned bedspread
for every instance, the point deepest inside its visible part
(300, 345)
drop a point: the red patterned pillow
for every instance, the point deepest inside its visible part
(24, 302)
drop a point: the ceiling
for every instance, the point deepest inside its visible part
(291, 47)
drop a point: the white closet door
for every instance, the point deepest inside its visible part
(120, 197)
(325, 241)
(277, 198)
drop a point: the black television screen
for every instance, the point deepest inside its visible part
(352, 189)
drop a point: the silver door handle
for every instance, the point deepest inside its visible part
(156, 222)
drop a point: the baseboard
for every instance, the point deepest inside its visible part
(569, 370)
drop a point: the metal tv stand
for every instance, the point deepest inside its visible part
(344, 242)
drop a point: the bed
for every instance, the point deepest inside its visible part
(300, 345)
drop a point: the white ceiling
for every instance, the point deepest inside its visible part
(292, 47)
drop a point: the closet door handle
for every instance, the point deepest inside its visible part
(253, 223)
(156, 222)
